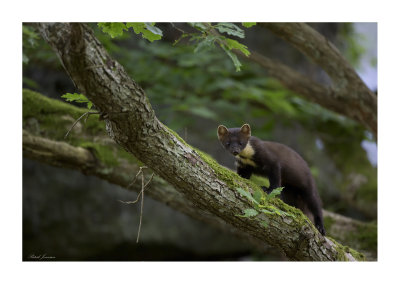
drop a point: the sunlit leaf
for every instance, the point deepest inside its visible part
(248, 25)
(113, 29)
(77, 98)
(275, 192)
(148, 31)
(234, 44)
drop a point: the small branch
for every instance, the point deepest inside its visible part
(144, 188)
(141, 209)
(76, 121)
(141, 193)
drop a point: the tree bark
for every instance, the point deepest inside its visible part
(348, 94)
(132, 123)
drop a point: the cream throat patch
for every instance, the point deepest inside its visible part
(247, 152)
(245, 157)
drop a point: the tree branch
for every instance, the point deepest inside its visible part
(348, 95)
(131, 122)
(62, 154)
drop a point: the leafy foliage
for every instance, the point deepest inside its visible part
(77, 98)
(208, 37)
(30, 39)
(260, 203)
(148, 30)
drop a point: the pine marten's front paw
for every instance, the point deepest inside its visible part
(266, 189)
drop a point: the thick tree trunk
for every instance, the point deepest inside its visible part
(131, 122)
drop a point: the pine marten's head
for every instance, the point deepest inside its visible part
(234, 139)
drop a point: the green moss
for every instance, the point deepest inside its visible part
(56, 117)
(103, 153)
(342, 250)
(232, 179)
(36, 105)
(177, 136)
(357, 255)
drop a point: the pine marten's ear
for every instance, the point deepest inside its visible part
(245, 129)
(222, 131)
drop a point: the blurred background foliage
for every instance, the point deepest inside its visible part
(194, 92)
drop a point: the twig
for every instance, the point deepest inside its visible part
(141, 210)
(141, 193)
(76, 121)
(179, 29)
(133, 202)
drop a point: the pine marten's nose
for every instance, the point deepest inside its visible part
(235, 152)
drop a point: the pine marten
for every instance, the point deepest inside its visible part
(280, 164)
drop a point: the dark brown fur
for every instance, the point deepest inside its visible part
(280, 164)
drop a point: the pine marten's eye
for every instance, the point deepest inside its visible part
(227, 144)
(241, 143)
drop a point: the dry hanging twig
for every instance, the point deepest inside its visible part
(141, 193)
(76, 121)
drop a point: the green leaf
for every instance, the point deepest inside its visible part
(199, 26)
(234, 58)
(250, 212)
(151, 27)
(113, 29)
(148, 30)
(206, 43)
(246, 194)
(78, 98)
(275, 192)
(230, 29)
(248, 25)
(234, 44)
(258, 196)
(30, 35)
